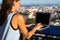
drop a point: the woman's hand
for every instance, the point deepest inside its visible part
(39, 26)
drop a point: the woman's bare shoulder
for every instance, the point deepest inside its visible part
(18, 16)
(15, 20)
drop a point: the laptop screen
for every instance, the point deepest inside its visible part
(43, 17)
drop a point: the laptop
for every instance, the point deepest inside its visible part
(44, 18)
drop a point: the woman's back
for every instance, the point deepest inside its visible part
(7, 31)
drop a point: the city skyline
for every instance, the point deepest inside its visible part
(28, 2)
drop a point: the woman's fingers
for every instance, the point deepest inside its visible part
(39, 26)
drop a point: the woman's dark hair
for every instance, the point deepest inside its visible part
(5, 9)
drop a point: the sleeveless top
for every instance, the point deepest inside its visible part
(7, 32)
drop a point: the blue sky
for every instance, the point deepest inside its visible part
(40, 1)
(23, 2)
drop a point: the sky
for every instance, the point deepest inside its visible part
(27, 2)
(40, 1)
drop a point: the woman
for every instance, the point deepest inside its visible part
(12, 22)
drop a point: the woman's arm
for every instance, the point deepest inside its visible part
(30, 25)
(23, 28)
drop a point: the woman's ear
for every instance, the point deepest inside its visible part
(14, 3)
(14, 6)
